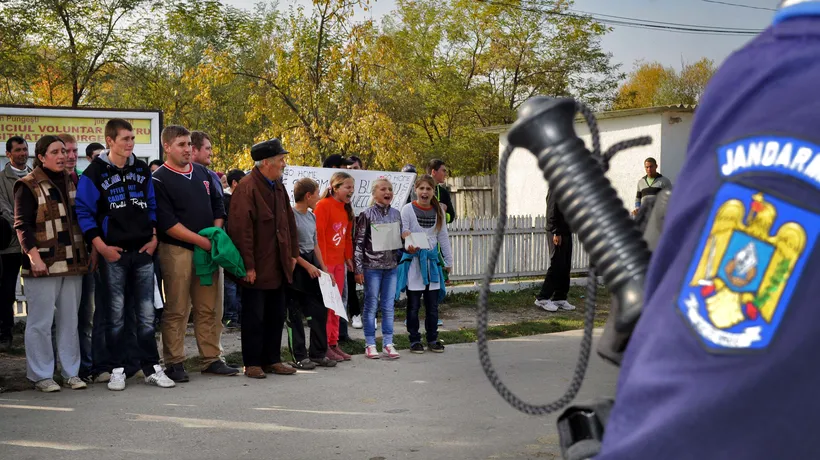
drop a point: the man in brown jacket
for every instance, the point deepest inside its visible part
(263, 228)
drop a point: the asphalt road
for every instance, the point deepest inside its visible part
(431, 406)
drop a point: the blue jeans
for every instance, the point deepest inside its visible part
(130, 289)
(379, 287)
(430, 317)
(232, 306)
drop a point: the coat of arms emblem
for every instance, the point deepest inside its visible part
(748, 261)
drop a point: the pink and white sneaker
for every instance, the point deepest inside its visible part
(371, 352)
(389, 351)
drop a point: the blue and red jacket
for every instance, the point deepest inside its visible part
(117, 204)
(723, 364)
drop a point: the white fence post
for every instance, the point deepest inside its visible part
(524, 253)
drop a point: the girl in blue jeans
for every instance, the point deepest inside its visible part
(421, 272)
(376, 268)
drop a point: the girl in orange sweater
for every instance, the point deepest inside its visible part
(334, 229)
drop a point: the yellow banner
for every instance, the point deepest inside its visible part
(85, 130)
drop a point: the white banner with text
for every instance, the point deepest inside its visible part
(402, 183)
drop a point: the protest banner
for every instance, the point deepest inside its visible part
(402, 183)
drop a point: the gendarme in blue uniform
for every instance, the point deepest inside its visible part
(725, 362)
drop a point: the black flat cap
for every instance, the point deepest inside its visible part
(335, 161)
(267, 149)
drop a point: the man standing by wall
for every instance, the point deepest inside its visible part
(269, 247)
(555, 288)
(12, 257)
(651, 184)
(187, 202)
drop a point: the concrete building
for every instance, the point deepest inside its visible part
(668, 126)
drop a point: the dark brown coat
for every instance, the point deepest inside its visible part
(263, 228)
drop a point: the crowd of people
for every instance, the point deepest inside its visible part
(111, 255)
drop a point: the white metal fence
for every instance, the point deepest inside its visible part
(525, 252)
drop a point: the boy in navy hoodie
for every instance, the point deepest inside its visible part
(116, 210)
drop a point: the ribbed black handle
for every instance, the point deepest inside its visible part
(590, 204)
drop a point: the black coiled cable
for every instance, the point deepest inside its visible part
(573, 174)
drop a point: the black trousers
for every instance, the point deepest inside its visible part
(8, 286)
(263, 313)
(556, 283)
(301, 305)
(353, 306)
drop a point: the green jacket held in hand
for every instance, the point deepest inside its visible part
(223, 254)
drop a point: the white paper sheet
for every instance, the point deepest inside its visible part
(386, 237)
(419, 240)
(331, 296)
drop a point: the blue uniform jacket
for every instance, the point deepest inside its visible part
(725, 361)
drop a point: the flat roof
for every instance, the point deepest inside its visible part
(499, 129)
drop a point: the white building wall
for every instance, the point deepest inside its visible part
(527, 189)
(677, 126)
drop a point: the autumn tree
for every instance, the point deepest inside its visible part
(413, 87)
(652, 84)
(76, 40)
(449, 67)
(687, 86)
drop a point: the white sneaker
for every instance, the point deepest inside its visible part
(547, 305)
(357, 322)
(389, 351)
(371, 352)
(564, 305)
(104, 377)
(47, 386)
(158, 378)
(75, 383)
(117, 382)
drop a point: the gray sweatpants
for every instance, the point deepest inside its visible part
(43, 295)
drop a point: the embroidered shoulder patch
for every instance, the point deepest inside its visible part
(784, 155)
(750, 256)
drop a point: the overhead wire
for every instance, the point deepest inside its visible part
(637, 23)
(740, 5)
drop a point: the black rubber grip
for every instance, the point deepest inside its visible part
(590, 204)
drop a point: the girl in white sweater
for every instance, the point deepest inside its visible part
(425, 277)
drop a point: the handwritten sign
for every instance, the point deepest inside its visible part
(402, 183)
(331, 296)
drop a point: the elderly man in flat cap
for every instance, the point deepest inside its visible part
(263, 228)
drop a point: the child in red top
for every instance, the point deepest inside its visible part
(334, 229)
